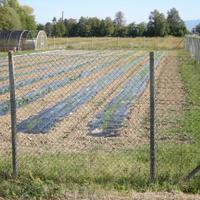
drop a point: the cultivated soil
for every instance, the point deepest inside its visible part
(72, 133)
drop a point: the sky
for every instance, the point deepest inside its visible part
(134, 10)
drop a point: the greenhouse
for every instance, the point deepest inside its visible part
(22, 40)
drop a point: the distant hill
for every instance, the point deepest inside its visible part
(190, 24)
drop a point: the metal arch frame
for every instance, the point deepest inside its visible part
(36, 40)
(20, 38)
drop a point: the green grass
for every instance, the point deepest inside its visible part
(50, 175)
(4, 54)
(190, 71)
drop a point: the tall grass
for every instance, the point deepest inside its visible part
(166, 43)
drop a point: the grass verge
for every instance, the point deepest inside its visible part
(49, 176)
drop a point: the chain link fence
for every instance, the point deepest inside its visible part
(192, 45)
(93, 117)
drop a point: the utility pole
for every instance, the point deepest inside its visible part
(62, 16)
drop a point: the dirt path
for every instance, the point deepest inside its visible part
(170, 102)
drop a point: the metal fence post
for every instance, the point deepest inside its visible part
(117, 42)
(152, 118)
(92, 42)
(67, 42)
(13, 112)
(54, 42)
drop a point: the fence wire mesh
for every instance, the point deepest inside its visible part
(176, 118)
(85, 116)
(192, 45)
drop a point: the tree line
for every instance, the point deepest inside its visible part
(14, 16)
(158, 25)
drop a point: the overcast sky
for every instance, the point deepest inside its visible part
(134, 10)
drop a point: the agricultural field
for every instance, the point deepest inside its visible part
(141, 43)
(57, 91)
(83, 123)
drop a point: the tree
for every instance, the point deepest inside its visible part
(142, 29)
(119, 19)
(58, 29)
(23, 16)
(133, 30)
(71, 27)
(40, 27)
(119, 22)
(83, 27)
(95, 25)
(54, 20)
(121, 31)
(197, 29)
(49, 29)
(157, 25)
(176, 24)
(12, 3)
(9, 19)
(27, 18)
(106, 27)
